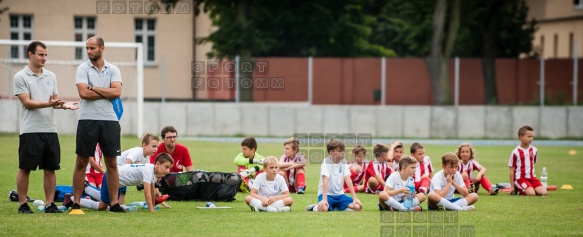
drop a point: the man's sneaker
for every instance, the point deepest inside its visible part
(246, 173)
(416, 208)
(284, 209)
(116, 208)
(76, 210)
(441, 208)
(13, 195)
(52, 208)
(161, 199)
(493, 191)
(25, 209)
(469, 208)
(311, 207)
(472, 188)
(67, 202)
(300, 190)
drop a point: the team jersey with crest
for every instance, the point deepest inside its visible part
(135, 154)
(394, 182)
(357, 180)
(134, 174)
(291, 173)
(422, 168)
(377, 168)
(438, 182)
(523, 160)
(267, 188)
(469, 167)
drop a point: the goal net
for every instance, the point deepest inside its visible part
(63, 59)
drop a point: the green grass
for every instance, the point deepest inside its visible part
(559, 214)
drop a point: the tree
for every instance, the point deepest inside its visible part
(487, 29)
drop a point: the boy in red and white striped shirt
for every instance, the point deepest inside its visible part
(521, 163)
(95, 171)
(357, 169)
(424, 169)
(377, 170)
(292, 166)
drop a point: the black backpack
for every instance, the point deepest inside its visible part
(200, 185)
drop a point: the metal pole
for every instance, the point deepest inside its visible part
(542, 82)
(237, 79)
(575, 73)
(140, 92)
(383, 79)
(163, 79)
(310, 80)
(457, 82)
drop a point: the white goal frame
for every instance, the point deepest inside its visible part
(139, 69)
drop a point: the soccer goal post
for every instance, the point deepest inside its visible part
(63, 59)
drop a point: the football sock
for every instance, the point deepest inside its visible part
(462, 202)
(257, 203)
(301, 180)
(467, 182)
(486, 183)
(277, 204)
(448, 205)
(93, 192)
(391, 202)
(425, 184)
(89, 204)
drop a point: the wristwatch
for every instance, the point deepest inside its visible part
(90, 87)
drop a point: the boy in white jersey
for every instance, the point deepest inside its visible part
(396, 190)
(443, 185)
(357, 169)
(334, 173)
(138, 155)
(521, 163)
(131, 175)
(269, 192)
(291, 166)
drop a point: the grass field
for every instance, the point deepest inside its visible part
(559, 214)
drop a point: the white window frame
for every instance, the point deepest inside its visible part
(85, 32)
(21, 30)
(145, 33)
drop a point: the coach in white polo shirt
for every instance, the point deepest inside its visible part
(36, 89)
(98, 83)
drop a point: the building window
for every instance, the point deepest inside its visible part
(84, 29)
(20, 29)
(578, 4)
(146, 34)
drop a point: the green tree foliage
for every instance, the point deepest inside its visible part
(291, 28)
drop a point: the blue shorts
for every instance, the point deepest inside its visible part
(450, 200)
(339, 202)
(105, 191)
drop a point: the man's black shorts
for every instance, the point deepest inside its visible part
(91, 132)
(40, 150)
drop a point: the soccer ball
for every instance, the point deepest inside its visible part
(233, 180)
(38, 203)
(210, 204)
(200, 177)
(217, 178)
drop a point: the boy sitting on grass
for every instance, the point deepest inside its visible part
(443, 185)
(269, 191)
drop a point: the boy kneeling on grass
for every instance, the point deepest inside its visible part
(441, 190)
(269, 192)
(129, 175)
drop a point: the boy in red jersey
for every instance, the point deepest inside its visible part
(357, 169)
(521, 163)
(378, 170)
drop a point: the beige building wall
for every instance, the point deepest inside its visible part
(203, 28)
(53, 21)
(559, 24)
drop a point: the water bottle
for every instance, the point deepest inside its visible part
(544, 177)
(130, 208)
(41, 208)
(210, 204)
(62, 208)
(408, 203)
(138, 204)
(145, 207)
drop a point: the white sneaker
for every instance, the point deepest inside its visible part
(469, 208)
(246, 173)
(311, 207)
(284, 209)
